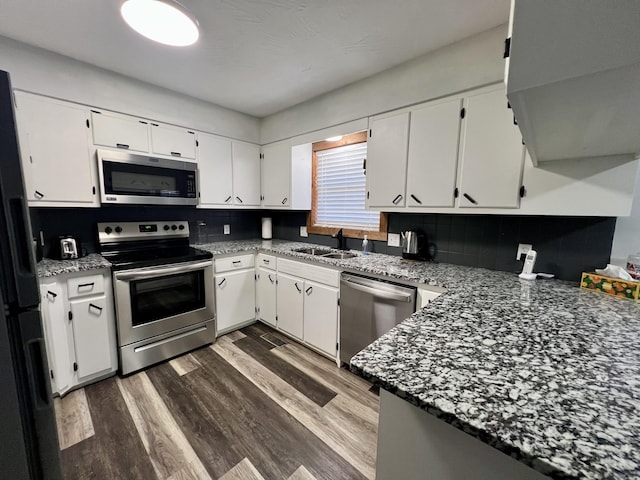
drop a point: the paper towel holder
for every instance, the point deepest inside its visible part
(266, 228)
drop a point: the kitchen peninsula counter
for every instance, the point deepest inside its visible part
(542, 371)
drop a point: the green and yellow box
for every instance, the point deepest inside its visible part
(611, 286)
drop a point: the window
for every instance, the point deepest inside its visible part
(339, 189)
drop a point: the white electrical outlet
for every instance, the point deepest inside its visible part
(227, 229)
(303, 231)
(523, 249)
(393, 239)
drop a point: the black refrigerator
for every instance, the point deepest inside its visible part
(28, 438)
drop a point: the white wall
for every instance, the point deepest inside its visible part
(470, 63)
(626, 239)
(38, 71)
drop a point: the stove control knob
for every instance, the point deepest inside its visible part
(108, 230)
(173, 227)
(181, 227)
(166, 227)
(118, 229)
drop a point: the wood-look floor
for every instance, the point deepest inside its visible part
(254, 405)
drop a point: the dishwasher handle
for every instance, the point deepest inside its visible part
(356, 285)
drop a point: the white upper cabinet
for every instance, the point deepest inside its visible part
(173, 141)
(573, 78)
(387, 161)
(276, 175)
(229, 172)
(54, 139)
(215, 170)
(491, 153)
(120, 131)
(433, 154)
(246, 174)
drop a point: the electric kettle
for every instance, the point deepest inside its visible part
(414, 245)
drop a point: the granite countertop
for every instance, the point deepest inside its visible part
(543, 371)
(49, 268)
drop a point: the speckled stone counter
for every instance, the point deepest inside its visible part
(49, 268)
(544, 371)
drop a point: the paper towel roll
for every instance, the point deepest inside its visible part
(266, 228)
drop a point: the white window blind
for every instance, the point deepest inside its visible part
(340, 187)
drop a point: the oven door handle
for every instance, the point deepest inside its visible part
(161, 271)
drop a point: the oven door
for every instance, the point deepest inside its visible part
(139, 179)
(156, 300)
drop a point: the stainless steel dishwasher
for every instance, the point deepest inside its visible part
(369, 308)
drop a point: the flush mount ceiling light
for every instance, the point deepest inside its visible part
(163, 21)
(334, 139)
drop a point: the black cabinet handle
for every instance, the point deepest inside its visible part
(155, 124)
(235, 262)
(91, 305)
(38, 195)
(309, 290)
(239, 199)
(228, 198)
(284, 200)
(222, 282)
(468, 197)
(176, 154)
(297, 287)
(271, 279)
(85, 285)
(416, 199)
(54, 295)
(122, 145)
(397, 199)
(264, 260)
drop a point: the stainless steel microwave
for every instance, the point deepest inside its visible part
(126, 178)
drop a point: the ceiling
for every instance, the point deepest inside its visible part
(255, 56)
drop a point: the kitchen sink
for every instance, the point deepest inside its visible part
(314, 251)
(340, 255)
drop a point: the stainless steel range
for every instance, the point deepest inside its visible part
(163, 291)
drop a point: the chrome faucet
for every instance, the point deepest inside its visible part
(340, 238)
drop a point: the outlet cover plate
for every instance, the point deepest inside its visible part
(393, 239)
(227, 229)
(303, 231)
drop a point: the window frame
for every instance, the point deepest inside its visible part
(381, 234)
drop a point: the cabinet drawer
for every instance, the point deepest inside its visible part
(266, 261)
(314, 273)
(234, 263)
(86, 285)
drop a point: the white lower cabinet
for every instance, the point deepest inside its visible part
(235, 284)
(266, 296)
(290, 305)
(79, 329)
(307, 304)
(321, 317)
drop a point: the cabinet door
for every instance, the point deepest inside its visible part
(173, 141)
(57, 331)
(276, 175)
(246, 174)
(215, 170)
(54, 144)
(492, 154)
(387, 161)
(433, 155)
(266, 296)
(91, 335)
(290, 304)
(119, 131)
(321, 317)
(235, 299)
